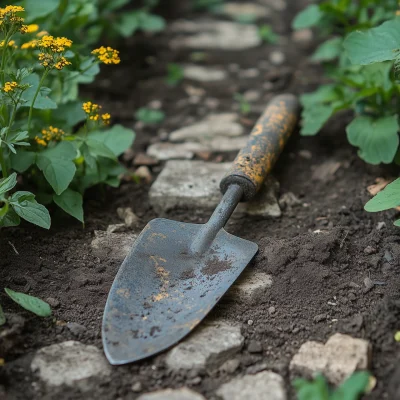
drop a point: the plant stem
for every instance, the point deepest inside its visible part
(46, 71)
(3, 164)
(3, 58)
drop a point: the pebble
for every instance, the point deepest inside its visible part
(71, 363)
(338, 359)
(238, 10)
(261, 386)
(370, 250)
(250, 322)
(302, 36)
(230, 366)
(131, 220)
(136, 387)
(207, 348)
(306, 154)
(172, 394)
(144, 159)
(169, 151)
(380, 226)
(75, 328)
(144, 173)
(203, 74)
(277, 57)
(54, 303)
(271, 310)
(320, 318)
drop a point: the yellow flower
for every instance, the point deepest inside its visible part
(23, 29)
(29, 45)
(107, 55)
(93, 112)
(40, 141)
(91, 108)
(49, 134)
(12, 9)
(9, 87)
(106, 118)
(56, 45)
(32, 28)
(42, 33)
(11, 43)
(61, 63)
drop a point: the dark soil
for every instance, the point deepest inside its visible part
(322, 254)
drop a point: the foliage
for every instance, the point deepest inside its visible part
(360, 62)
(244, 105)
(318, 388)
(174, 74)
(267, 34)
(30, 303)
(149, 116)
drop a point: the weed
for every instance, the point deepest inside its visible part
(267, 34)
(174, 74)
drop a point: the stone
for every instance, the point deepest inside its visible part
(338, 359)
(261, 386)
(172, 394)
(72, 364)
(203, 74)
(277, 57)
(271, 310)
(54, 303)
(75, 328)
(249, 287)
(207, 348)
(306, 154)
(144, 159)
(254, 346)
(115, 246)
(144, 173)
(289, 200)
(136, 387)
(195, 185)
(116, 228)
(370, 250)
(218, 35)
(230, 366)
(168, 151)
(325, 171)
(238, 10)
(131, 220)
(302, 36)
(204, 131)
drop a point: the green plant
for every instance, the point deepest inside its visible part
(174, 74)
(149, 116)
(318, 388)
(267, 34)
(244, 105)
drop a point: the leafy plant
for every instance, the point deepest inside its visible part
(267, 34)
(149, 116)
(318, 388)
(174, 74)
(244, 105)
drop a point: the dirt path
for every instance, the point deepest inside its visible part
(319, 254)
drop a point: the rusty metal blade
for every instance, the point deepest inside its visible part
(162, 290)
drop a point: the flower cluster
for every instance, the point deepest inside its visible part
(52, 49)
(107, 55)
(11, 43)
(10, 22)
(93, 112)
(32, 44)
(48, 135)
(55, 45)
(9, 87)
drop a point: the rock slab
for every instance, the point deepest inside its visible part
(70, 363)
(265, 385)
(338, 359)
(172, 394)
(207, 348)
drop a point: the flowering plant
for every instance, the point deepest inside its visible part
(38, 135)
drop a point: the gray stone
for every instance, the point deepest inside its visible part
(254, 347)
(203, 74)
(72, 364)
(207, 348)
(237, 10)
(116, 228)
(219, 35)
(289, 200)
(338, 359)
(214, 125)
(223, 144)
(136, 387)
(277, 57)
(75, 328)
(230, 366)
(172, 394)
(302, 36)
(131, 220)
(144, 173)
(168, 151)
(54, 303)
(261, 386)
(195, 185)
(112, 245)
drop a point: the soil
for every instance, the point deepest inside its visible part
(333, 270)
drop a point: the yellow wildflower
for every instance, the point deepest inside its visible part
(11, 43)
(61, 63)
(56, 45)
(40, 141)
(23, 29)
(91, 108)
(49, 134)
(32, 28)
(107, 55)
(9, 21)
(11, 9)
(106, 118)
(42, 33)
(9, 87)
(46, 60)
(29, 45)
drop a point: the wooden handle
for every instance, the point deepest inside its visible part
(266, 142)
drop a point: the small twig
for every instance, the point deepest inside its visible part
(342, 242)
(16, 251)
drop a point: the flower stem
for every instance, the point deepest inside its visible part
(3, 58)
(3, 164)
(46, 71)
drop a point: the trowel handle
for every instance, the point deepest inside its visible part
(266, 141)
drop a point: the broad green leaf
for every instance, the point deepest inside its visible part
(378, 75)
(37, 9)
(149, 116)
(314, 118)
(57, 165)
(21, 161)
(128, 24)
(117, 139)
(71, 202)
(328, 50)
(98, 148)
(2, 317)
(353, 387)
(374, 45)
(43, 101)
(6, 184)
(307, 18)
(30, 303)
(151, 23)
(377, 139)
(316, 389)
(71, 113)
(10, 219)
(324, 94)
(385, 199)
(30, 210)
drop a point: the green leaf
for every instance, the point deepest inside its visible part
(6, 184)
(21, 161)
(386, 199)
(353, 387)
(149, 116)
(152, 23)
(328, 50)
(316, 389)
(10, 219)
(25, 205)
(128, 24)
(37, 9)
(397, 222)
(307, 18)
(377, 139)
(117, 139)
(30, 303)
(324, 94)
(43, 101)
(174, 74)
(374, 45)
(314, 118)
(98, 148)
(2, 317)
(71, 202)
(71, 113)
(57, 165)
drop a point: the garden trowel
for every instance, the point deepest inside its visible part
(176, 272)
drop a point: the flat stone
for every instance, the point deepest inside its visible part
(223, 144)
(72, 364)
(168, 151)
(277, 57)
(75, 328)
(207, 348)
(172, 394)
(218, 35)
(131, 220)
(302, 36)
(116, 246)
(214, 125)
(195, 185)
(144, 159)
(144, 173)
(261, 386)
(203, 74)
(249, 287)
(238, 10)
(338, 359)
